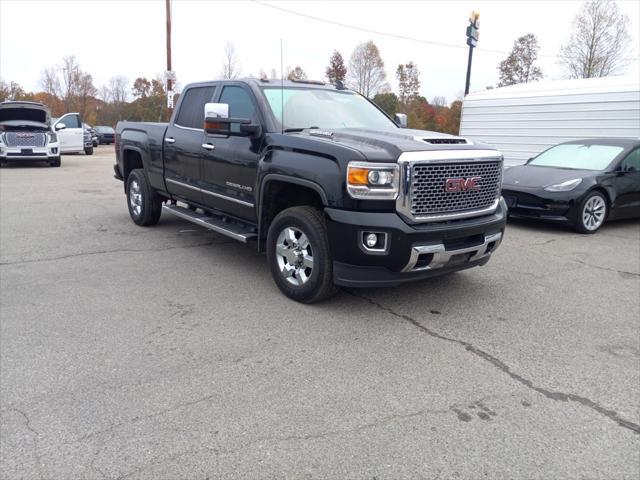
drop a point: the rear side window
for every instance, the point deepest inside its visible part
(71, 121)
(191, 112)
(240, 104)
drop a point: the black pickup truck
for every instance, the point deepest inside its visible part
(321, 179)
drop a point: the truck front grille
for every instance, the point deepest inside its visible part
(430, 196)
(25, 139)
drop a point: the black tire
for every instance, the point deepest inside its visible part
(315, 283)
(88, 151)
(145, 205)
(592, 213)
(55, 162)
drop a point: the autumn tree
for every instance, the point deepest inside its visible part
(141, 87)
(388, 102)
(519, 66)
(297, 74)
(336, 71)
(366, 70)
(11, 91)
(230, 64)
(408, 77)
(598, 43)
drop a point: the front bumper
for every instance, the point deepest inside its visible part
(550, 206)
(10, 154)
(413, 252)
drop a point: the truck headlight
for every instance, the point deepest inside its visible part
(373, 181)
(53, 138)
(564, 186)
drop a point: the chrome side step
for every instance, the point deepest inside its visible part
(233, 230)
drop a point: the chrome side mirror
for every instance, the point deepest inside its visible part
(401, 120)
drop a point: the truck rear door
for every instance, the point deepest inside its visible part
(183, 141)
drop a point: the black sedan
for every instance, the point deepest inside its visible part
(582, 183)
(105, 134)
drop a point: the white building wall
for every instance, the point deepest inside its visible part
(523, 120)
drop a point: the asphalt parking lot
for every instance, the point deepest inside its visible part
(168, 352)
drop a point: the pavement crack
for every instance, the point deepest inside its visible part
(624, 273)
(116, 250)
(500, 365)
(36, 435)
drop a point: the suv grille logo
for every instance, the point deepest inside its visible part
(462, 184)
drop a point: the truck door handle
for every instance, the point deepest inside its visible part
(170, 140)
(208, 146)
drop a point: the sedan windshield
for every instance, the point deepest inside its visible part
(322, 108)
(578, 157)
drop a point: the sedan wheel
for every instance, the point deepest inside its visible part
(593, 213)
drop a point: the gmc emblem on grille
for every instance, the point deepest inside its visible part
(462, 184)
(25, 135)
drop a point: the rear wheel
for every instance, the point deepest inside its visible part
(592, 213)
(145, 205)
(299, 256)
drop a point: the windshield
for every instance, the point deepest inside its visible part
(577, 156)
(321, 108)
(105, 129)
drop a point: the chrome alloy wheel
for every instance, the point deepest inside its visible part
(135, 197)
(294, 255)
(593, 213)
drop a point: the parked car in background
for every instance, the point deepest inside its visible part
(94, 135)
(70, 133)
(582, 183)
(26, 135)
(105, 134)
(88, 142)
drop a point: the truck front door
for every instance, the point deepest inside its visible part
(230, 162)
(183, 141)
(71, 136)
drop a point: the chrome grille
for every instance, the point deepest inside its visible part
(25, 139)
(428, 194)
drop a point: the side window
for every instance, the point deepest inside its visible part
(191, 112)
(632, 161)
(71, 121)
(240, 104)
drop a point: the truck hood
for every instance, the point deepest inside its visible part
(24, 114)
(388, 145)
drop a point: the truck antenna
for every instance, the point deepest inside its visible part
(281, 90)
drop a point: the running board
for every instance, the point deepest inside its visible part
(234, 230)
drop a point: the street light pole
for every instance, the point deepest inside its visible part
(472, 40)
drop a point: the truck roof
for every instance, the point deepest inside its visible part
(275, 82)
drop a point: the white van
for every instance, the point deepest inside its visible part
(524, 120)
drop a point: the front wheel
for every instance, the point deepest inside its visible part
(55, 162)
(88, 151)
(145, 205)
(299, 256)
(591, 213)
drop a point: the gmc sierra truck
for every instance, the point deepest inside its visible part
(321, 179)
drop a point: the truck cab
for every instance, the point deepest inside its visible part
(321, 179)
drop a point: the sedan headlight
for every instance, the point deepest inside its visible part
(564, 186)
(373, 181)
(53, 138)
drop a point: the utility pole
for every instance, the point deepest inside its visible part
(472, 40)
(169, 74)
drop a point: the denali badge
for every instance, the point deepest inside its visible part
(462, 184)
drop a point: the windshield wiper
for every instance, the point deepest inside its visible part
(293, 130)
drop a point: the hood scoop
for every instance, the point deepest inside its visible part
(444, 141)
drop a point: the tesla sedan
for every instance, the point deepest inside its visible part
(582, 183)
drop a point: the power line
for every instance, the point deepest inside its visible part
(388, 34)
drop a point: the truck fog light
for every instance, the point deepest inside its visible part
(372, 240)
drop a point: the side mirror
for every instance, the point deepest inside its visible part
(217, 121)
(60, 126)
(401, 120)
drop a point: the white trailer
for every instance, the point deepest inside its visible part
(523, 120)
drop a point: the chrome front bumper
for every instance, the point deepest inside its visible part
(440, 256)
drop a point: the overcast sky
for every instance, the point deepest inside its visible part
(128, 37)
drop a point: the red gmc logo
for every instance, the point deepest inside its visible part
(462, 184)
(25, 135)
